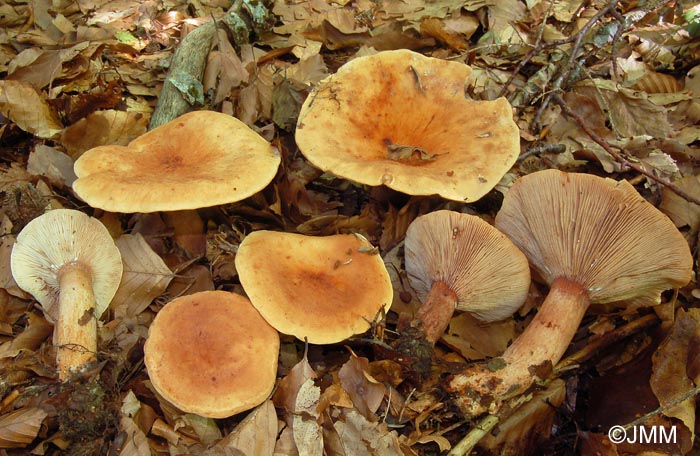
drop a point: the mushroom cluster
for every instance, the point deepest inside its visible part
(593, 240)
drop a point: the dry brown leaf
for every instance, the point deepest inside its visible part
(474, 339)
(669, 378)
(103, 128)
(51, 163)
(680, 210)
(136, 442)
(39, 67)
(307, 431)
(366, 393)
(145, 276)
(256, 434)
(360, 437)
(530, 424)
(19, 428)
(287, 389)
(23, 105)
(36, 331)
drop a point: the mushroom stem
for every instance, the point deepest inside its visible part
(531, 355)
(75, 333)
(437, 310)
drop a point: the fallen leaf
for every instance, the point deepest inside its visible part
(256, 434)
(366, 393)
(19, 428)
(23, 105)
(145, 276)
(36, 331)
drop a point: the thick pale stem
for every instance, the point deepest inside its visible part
(75, 333)
(437, 310)
(531, 355)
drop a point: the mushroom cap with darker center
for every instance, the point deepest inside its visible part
(323, 289)
(401, 119)
(200, 159)
(487, 272)
(65, 237)
(597, 232)
(212, 354)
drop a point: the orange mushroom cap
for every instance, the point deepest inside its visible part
(401, 119)
(212, 354)
(200, 159)
(323, 289)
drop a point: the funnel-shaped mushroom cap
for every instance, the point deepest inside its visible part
(324, 289)
(489, 275)
(401, 119)
(597, 232)
(212, 354)
(61, 237)
(200, 159)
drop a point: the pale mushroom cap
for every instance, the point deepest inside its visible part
(58, 238)
(200, 159)
(597, 232)
(363, 123)
(486, 271)
(212, 354)
(324, 289)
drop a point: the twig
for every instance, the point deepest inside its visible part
(467, 444)
(568, 68)
(617, 156)
(678, 400)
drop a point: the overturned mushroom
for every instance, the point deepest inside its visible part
(593, 240)
(323, 289)
(401, 119)
(457, 260)
(70, 264)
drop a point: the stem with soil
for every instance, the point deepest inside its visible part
(531, 355)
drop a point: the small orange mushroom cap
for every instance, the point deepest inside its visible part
(401, 119)
(212, 354)
(323, 289)
(200, 159)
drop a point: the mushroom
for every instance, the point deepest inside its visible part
(211, 354)
(322, 289)
(70, 264)
(456, 260)
(401, 119)
(200, 159)
(593, 240)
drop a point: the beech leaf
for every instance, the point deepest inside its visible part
(145, 276)
(20, 428)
